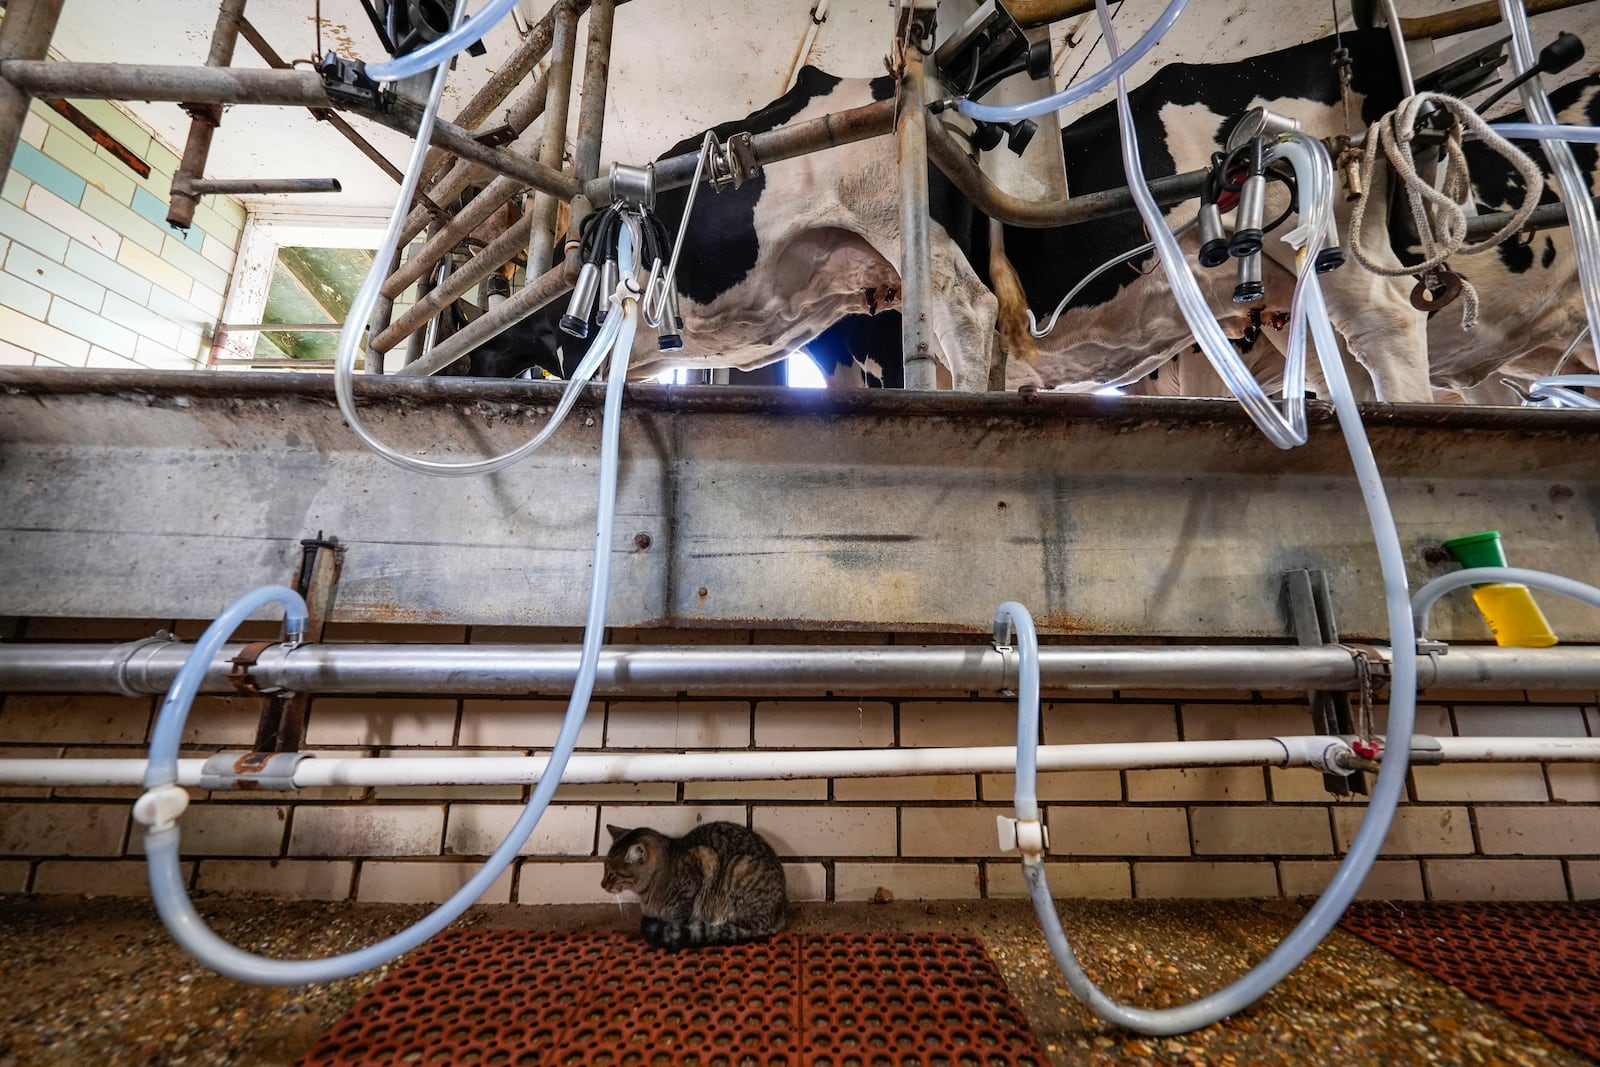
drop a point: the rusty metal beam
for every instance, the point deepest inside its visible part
(204, 118)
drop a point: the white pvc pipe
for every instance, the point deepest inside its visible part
(587, 769)
(710, 766)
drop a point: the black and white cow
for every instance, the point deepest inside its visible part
(1127, 323)
(769, 265)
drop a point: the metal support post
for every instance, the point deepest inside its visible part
(552, 146)
(382, 315)
(282, 724)
(916, 270)
(596, 73)
(490, 258)
(204, 118)
(25, 34)
(1311, 613)
(443, 239)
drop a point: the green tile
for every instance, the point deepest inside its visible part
(129, 223)
(155, 210)
(23, 296)
(24, 229)
(16, 188)
(108, 272)
(56, 277)
(91, 327)
(47, 172)
(98, 170)
(193, 264)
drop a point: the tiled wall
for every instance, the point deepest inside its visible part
(1486, 831)
(90, 273)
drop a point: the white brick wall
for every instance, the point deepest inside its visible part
(1491, 831)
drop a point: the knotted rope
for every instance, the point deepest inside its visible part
(1444, 232)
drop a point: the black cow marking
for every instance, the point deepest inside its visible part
(1049, 260)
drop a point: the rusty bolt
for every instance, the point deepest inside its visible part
(703, 591)
(641, 540)
(1027, 391)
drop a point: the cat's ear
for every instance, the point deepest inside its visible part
(615, 831)
(635, 853)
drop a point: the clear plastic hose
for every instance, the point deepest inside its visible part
(1093, 84)
(1428, 595)
(162, 840)
(1574, 184)
(437, 53)
(1285, 428)
(1535, 131)
(1386, 792)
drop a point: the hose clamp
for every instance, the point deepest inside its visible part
(1029, 836)
(251, 770)
(123, 657)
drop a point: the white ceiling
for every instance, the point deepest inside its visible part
(678, 65)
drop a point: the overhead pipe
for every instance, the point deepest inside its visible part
(916, 257)
(995, 202)
(507, 76)
(596, 78)
(489, 258)
(445, 238)
(287, 88)
(541, 235)
(378, 322)
(24, 35)
(1030, 13)
(204, 118)
(463, 173)
(548, 287)
(785, 142)
(149, 666)
(198, 187)
(270, 56)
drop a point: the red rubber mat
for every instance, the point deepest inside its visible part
(524, 998)
(1538, 963)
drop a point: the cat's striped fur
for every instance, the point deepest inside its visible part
(718, 884)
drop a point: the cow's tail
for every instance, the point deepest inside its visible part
(1016, 342)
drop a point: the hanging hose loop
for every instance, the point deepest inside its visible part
(1443, 229)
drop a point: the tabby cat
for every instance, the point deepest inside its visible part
(719, 884)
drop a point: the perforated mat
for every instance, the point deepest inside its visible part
(523, 998)
(1538, 963)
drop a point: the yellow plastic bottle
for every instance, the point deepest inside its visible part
(1513, 616)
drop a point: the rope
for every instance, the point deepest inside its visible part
(1444, 233)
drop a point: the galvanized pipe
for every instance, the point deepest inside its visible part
(463, 173)
(549, 286)
(786, 142)
(146, 667)
(993, 201)
(444, 240)
(488, 259)
(1544, 217)
(916, 255)
(203, 120)
(382, 313)
(541, 240)
(289, 88)
(1402, 59)
(24, 35)
(507, 76)
(247, 186)
(592, 106)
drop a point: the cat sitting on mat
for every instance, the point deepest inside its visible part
(719, 884)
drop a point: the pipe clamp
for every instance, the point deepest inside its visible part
(160, 807)
(1028, 836)
(251, 770)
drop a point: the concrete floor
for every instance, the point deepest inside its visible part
(97, 981)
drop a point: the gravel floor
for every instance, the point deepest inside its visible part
(97, 981)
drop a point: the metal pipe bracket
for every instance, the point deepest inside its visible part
(251, 770)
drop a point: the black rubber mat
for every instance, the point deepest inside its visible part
(1539, 963)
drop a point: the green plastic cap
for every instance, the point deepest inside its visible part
(1478, 550)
